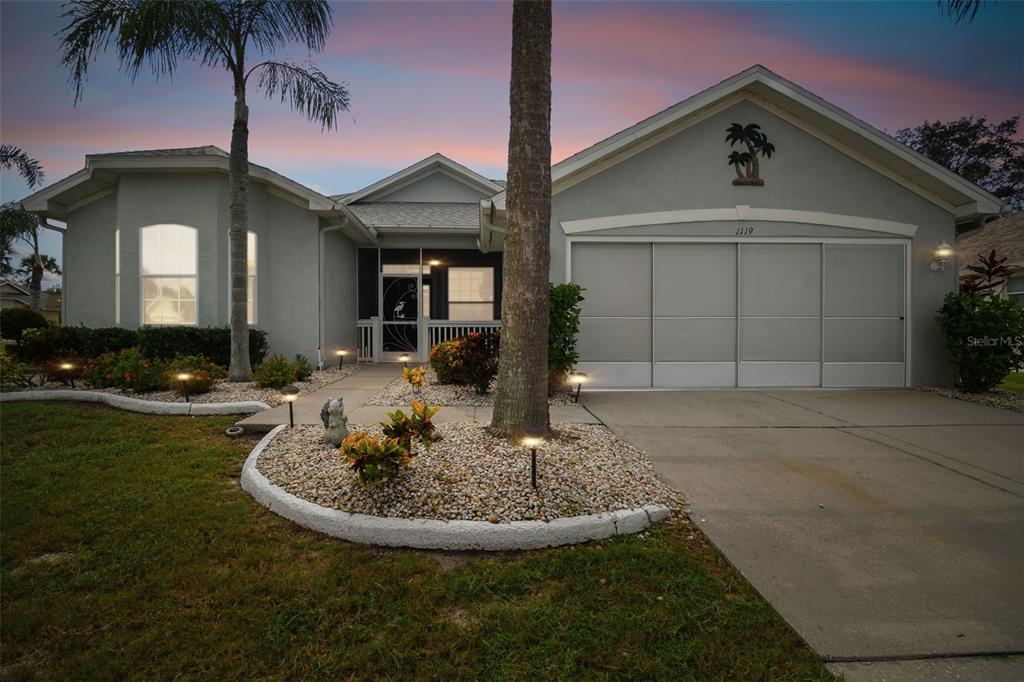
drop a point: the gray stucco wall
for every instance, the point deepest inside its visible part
(287, 288)
(338, 294)
(689, 171)
(435, 187)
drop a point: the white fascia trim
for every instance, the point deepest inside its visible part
(426, 230)
(739, 213)
(395, 180)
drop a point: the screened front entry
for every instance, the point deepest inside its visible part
(679, 315)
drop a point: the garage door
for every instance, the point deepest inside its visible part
(724, 314)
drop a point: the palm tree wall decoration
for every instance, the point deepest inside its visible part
(748, 170)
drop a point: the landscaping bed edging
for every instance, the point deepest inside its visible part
(432, 534)
(124, 402)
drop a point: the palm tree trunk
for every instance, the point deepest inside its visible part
(238, 184)
(521, 396)
(755, 169)
(35, 284)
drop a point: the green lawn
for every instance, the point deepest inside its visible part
(1014, 382)
(128, 549)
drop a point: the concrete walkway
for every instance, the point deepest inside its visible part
(363, 385)
(883, 525)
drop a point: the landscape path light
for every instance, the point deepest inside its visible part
(578, 378)
(290, 393)
(404, 359)
(341, 353)
(184, 378)
(533, 439)
(65, 368)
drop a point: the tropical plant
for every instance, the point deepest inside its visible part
(126, 369)
(13, 158)
(13, 373)
(414, 377)
(478, 356)
(445, 361)
(521, 400)
(17, 224)
(202, 374)
(421, 424)
(374, 459)
(398, 427)
(960, 10)
(990, 274)
(15, 321)
(222, 34)
(984, 333)
(276, 372)
(748, 170)
(563, 327)
(29, 264)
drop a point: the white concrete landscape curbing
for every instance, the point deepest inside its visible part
(431, 534)
(124, 402)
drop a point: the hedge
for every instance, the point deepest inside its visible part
(14, 321)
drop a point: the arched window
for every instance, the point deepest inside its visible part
(168, 274)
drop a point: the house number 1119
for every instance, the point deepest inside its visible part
(745, 231)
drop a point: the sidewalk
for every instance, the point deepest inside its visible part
(370, 379)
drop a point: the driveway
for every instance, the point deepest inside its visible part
(881, 524)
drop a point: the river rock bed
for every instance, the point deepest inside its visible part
(996, 397)
(471, 475)
(399, 392)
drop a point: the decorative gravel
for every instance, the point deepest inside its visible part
(471, 475)
(996, 397)
(399, 392)
(224, 391)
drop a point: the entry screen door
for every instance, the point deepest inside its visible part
(400, 313)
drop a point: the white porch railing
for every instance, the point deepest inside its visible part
(444, 330)
(366, 340)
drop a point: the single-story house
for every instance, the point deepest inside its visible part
(1005, 236)
(15, 295)
(801, 252)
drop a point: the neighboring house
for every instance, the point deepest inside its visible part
(14, 295)
(816, 271)
(1006, 237)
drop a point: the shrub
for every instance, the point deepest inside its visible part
(303, 370)
(414, 377)
(210, 342)
(563, 327)
(47, 344)
(421, 425)
(93, 343)
(13, 321)
(204, 374)
(399, 428)
(983, 333)
(127, 370)
(478, 355)
(275, 372)
(444, 360)
(13, 374)
(374, 459)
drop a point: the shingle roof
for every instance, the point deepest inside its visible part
(207, 150)
(417, 214)
(1005, 235)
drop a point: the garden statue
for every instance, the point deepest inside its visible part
(332, 414)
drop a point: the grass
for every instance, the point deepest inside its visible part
(128, 550)
(1014, 382)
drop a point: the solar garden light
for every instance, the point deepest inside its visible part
(65, 368)
(943, 254)
(290, 393)
(341, 353)
(404, 359)
(183, 378)
(578, 378)
(533, 439)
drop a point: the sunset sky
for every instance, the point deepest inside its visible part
(428, 77)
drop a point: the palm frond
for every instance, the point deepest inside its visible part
(960, 10)
(13, 158)
(269, 23)
(306, 89)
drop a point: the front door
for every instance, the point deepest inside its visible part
(400, 315)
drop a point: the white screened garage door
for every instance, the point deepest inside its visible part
(678, 315)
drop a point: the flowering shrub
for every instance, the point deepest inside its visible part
(414, 377)
(374, 459)
(470, 359)
(444, 360)
(276, 372)
(127, 370)
(203, 374)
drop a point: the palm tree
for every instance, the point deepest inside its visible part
(756, 143)
(43, 262)
(221, 34)
(521, 397)
(29, 169)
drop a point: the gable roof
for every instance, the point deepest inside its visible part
(432, 164)
(417, 214)
(1005, 235)
(813, 114)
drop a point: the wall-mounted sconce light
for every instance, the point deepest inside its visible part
(943, 254)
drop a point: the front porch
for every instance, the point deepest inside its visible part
(409, 300)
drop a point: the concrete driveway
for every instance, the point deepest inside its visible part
(881, 524)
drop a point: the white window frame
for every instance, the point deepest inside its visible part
(457, 302)
(251, 281)
(1012, 293)
(143, 277)
(117, 277)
